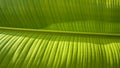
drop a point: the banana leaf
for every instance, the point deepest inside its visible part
(59, 33)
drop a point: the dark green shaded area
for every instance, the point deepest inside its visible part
(64, 15)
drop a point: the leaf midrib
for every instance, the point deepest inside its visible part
(58, 31)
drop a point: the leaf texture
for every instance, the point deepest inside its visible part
(54, 50)
(59, 34)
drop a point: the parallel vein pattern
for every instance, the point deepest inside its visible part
(53, 50)
(27, 48)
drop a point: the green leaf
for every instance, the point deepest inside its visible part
(59, 34)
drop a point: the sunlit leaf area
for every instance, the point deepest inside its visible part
(59, 33)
